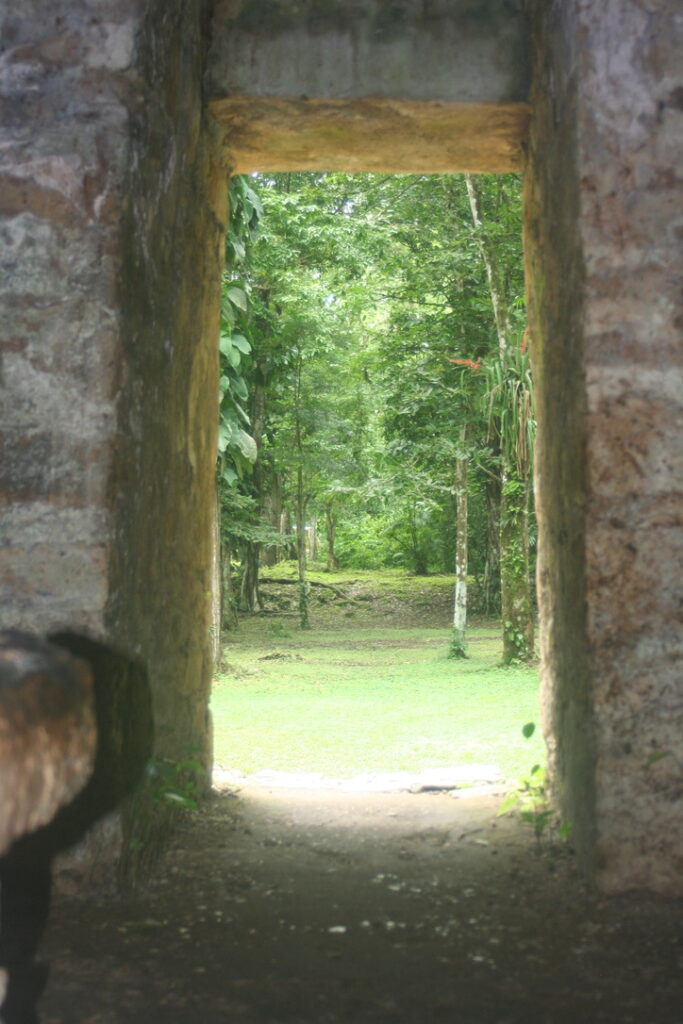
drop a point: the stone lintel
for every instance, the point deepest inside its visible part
(266, 133)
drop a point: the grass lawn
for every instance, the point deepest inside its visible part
(346, 701)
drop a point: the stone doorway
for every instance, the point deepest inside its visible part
(114, 181)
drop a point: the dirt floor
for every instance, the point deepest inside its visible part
(327, 906)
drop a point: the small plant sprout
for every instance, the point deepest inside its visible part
(530, 797)
(660, 755)
(279, 630)
(177, 782)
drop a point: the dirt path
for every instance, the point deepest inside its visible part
(322, 907)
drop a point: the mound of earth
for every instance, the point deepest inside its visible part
(364, 601)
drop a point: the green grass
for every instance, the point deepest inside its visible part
(343, 702)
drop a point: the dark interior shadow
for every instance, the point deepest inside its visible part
(125, 734)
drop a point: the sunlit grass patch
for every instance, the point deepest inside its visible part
(343, 703)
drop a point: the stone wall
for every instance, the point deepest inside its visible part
(603, 248)
(64, 93)
(173, 225)
(555, 284)
(174, 222)
(113, 214)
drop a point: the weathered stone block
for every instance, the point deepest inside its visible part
(113, 213)
(607, 313)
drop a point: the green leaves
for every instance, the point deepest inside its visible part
(230, 435)
(233, 347)
(509, 404)
(237, 296)
(237, 448)
(529, 797)
(246, 212)
(247, 445)
(344, 297)
(240, 342)
(180, 783)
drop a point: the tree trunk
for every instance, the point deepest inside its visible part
(488, 254)
(312, 538)
(517, 613)
(300, 501)
(288, 550)
(491, 581)
(515, 591)
(301, 549)
(331, 533)
(228, 614)
(273, 510)
(250, 598)
(458, 647)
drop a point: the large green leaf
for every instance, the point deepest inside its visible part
(238, 297)
(240, 388)
(225, 343)
(247, 445)
(225, 434)
(240, 342)
(237, 246)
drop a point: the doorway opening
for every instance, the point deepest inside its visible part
(375, 486)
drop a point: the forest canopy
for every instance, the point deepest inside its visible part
(376, 399)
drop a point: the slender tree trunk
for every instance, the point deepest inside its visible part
(518, 621)
(304, 589)
(488, 254)
(458, 647)
(331, 533)
(312, 538)
(228, 614)
(491, 581)
(515, 586)
(289, 548)
(250, 597)
(273, 509)
(300, 504)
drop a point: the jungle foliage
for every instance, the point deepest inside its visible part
(375, 387)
